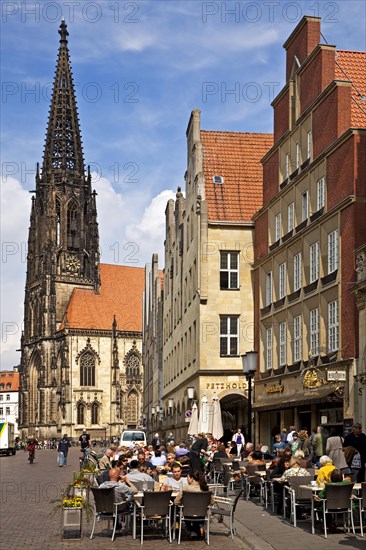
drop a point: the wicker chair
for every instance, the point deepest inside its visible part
(361, 504)
(225, 507)
(106, 508)
(156, 507)
(298, 496)
(253, 480)
(195, 507)
(338, 501)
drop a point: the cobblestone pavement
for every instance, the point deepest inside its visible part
(25, 493)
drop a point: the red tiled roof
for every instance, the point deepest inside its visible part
(120, 294)
(352, 66)
(236, 157)
(7, 378)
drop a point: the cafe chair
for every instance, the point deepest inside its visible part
(195, 507)
(144, 485)
(106, 508)
(156, 508)
(298, 497)
(254, 481)
(361, 504)
(225, 507)
(338, 501)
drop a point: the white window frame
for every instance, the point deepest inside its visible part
(333, 324)
(333, 251)
(320, 193)
(287, 165)
(297, 339)
(277, 227)
(297, 271)
(230, 335)
(283, 347)
(305, 206)
(314, 331)
(269, 340)
(314, 262)
(290, 216)
(269, 297)
(308, 144)
(282, 281)
(298, 156)
(230, 270)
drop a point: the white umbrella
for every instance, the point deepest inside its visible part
(205, 421)
(217, 429)
(193, 425)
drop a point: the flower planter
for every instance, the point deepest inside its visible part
(71, 523)
(81, 492)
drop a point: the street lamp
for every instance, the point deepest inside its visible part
(170, 404)
(190, 393)
(249, 362)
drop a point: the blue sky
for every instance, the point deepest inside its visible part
(140, 67)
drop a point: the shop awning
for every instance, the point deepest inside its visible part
(281, 402)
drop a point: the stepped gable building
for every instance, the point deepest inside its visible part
(208, 306)
(312, 221)
(9, 398)
(81, 347)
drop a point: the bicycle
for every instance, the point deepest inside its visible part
(31, 453)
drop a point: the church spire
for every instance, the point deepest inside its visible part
(63, 153)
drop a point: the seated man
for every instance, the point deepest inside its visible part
(141, 458)
(124, 489)
(182, 450)
(135, 475)
(177, 482)
(158, 459)
(106, 461)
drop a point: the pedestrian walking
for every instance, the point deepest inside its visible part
(238, 438)
(63, 450)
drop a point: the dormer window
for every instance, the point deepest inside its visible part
(218, 179)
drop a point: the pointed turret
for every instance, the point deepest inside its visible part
(63, 153)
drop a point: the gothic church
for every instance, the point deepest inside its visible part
(81, 346)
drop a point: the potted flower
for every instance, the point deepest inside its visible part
(80, 485)
(72, 508)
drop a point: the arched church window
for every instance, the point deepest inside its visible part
(95, 413)
(81, 413)
(132, 366)
(132, 404)
(72, 227)
(58, 222)
(87, 369)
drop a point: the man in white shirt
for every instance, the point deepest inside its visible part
(177, 482)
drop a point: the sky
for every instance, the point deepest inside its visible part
(140, 68)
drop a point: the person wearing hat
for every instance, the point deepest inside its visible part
(265, 452)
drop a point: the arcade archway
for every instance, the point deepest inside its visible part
(234, 412)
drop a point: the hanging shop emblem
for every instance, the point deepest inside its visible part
(312, 378)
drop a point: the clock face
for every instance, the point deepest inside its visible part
(72, 263)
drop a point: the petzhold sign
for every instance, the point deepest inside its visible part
(226, 386)
(275, 389)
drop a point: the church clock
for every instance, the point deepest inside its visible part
(72, 263)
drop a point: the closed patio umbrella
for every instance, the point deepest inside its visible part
(193, 425)
(205, 421)
(217, 429)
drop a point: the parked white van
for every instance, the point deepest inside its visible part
(130, 437)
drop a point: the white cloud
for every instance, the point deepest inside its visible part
(149, 232)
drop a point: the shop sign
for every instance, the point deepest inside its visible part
(275, 389)
(226, 386)
(336, 375)
(312, 378)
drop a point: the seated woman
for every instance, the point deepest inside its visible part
(295, 469)
(326, 468)
(196, 484)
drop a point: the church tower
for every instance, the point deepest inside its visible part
(63, 252)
